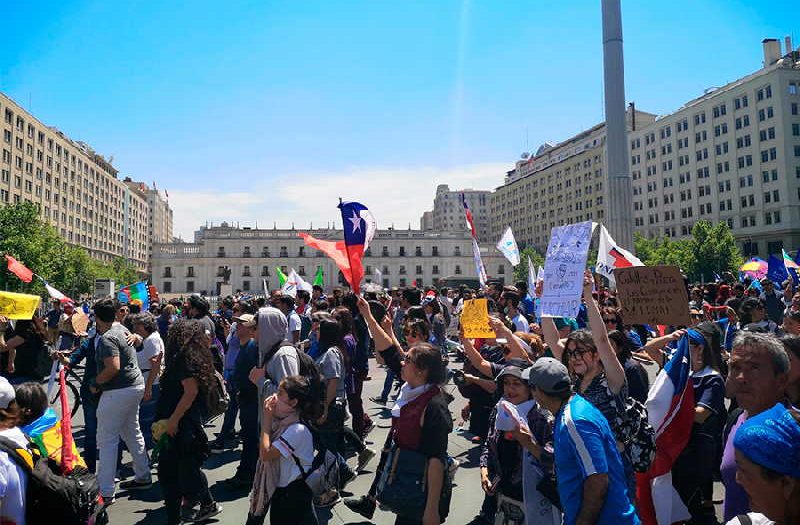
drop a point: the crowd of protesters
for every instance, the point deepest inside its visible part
(554, 405)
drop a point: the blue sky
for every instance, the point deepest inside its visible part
(266, 111)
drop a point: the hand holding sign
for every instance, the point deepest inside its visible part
(475, 319)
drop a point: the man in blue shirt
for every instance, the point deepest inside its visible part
(591, 479)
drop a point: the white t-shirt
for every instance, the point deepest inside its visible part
(520, 323)
(295, 441)
(755, 519)
(294, 325)
(152, 346)
(13, 482)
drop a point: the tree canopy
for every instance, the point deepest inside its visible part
(521, 270)
(37, 245)
(710, 250)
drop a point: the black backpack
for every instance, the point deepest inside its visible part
(217, 398)
(307, 368)
(53, 498)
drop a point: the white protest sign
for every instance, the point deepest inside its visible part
(564, 265)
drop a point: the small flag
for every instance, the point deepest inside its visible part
(19, 269)
(468, 217)
(531, 280)
(776, 269)
(130, 293)
(281, 276)
(266, 289)
(479, 268)
(319, 277)
(508, 247)
(540, 274)
(55, 294)
(610, 256)
(378, 275)
(293, 283)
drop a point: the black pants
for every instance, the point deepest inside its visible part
(180, 472)
(250, 431)
(290, 505)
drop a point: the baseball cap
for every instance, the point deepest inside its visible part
(7, 394)
(509, 370)
(246, 320)
(549, 375)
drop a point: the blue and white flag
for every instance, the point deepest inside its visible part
(508, 247)
(476, 257)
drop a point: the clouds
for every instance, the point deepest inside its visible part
(396, 195)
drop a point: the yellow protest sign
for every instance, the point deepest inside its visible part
(475, 320)
(18, 305)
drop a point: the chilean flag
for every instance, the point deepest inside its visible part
(468, 215)
(359, 229)
(610, 256)
(670, 409)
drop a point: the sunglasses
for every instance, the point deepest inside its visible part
(608, 321)
(578, 352)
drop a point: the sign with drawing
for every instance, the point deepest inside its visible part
(564, 264)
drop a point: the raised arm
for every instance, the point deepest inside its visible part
(551, 337)
(615, 373)
(477, 360)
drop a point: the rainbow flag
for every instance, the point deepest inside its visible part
(130, 293)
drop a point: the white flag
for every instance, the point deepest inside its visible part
(293, 283)
(540, 274)
(266, 288)
(508, 247)
(610, 256)
(55, 294)
(531, 280)
(476, 257)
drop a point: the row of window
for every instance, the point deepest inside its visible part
(301, 252)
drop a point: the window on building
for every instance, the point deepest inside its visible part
(167, 287)
(385, 270)
(221, 251)
(265, 271)
(245, 286)
(190, 271)
(246, 252)
(457, 251)
(167, 272)
(284, 252)
(435, 269)
(418, 270)
(189, 286)
(458, 269)
(385, 251)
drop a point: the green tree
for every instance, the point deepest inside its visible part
(714, 249)
(37, 245)
(521, 270)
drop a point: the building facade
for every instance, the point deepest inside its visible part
(560, 184)
(731, 155)
(76, 189)
(448, 211)
(403, 257)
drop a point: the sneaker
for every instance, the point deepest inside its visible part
(363, 506)
(134, 484)
(364, 457)
(346, 476)
(328, 499)
(378, 400)
(206, 511)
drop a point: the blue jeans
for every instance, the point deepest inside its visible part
(147, 416)
(250, 432)
(229, 420)
(387, 384)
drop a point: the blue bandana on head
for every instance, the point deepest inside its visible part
(771, 439)
(695, 337)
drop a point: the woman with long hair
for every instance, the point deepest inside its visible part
(286, 452)
(635, 374)
(421, 421)
(188, 376)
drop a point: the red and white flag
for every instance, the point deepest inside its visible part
(610, 256)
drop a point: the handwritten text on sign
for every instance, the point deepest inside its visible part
(652, 295)
(563, 269)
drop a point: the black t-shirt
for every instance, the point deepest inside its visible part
(436, 425)
(28, 353)
(172, 391)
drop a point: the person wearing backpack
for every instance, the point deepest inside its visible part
(277, 357)
(13, 477)
(286, 454)
(188, 377)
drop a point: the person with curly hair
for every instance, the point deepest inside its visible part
(187, 378)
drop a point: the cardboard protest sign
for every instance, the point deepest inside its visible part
(80, 322)
(475, 320)
(18, 305)
(652, 295)
(563, 269)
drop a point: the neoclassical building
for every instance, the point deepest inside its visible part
(403, 258)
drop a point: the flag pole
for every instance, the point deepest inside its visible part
(347, 248)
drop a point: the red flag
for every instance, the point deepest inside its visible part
(337, 251)
(19, 269)
(67, 457)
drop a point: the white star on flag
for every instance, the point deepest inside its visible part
(356, 220)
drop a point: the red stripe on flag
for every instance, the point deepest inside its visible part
(19, 269)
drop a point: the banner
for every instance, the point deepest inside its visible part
(18, 305)
(653, 295)
(130, 293)
(564, 265)
(475, 319)
(508, 247)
